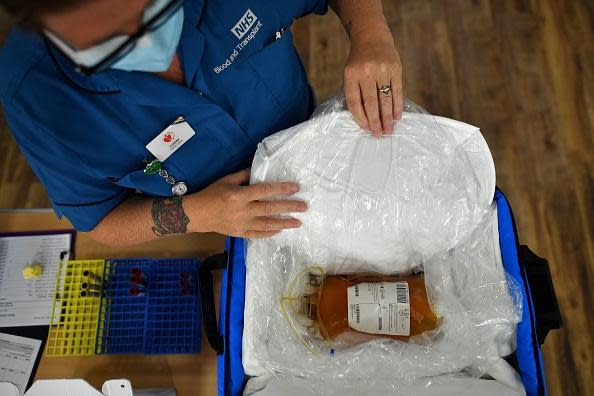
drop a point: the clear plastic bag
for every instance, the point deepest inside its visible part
(420, 198)
(330, 312)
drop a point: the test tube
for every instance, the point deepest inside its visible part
(92, 276)
(137, 272)
(185, 275)
(138, 282)
(184, 284)
(90, 286)
(134, 291)
(88, 293)
(138, 277)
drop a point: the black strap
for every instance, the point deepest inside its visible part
(546, 306)
(207, 302)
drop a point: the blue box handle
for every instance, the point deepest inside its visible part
(546, 306)
(205, 285)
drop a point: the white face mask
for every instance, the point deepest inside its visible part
(152, 52)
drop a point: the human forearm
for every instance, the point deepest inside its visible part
(373, 72)
(141, 219)
(226, 206)
(361, 18)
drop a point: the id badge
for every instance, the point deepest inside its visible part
(170, 139)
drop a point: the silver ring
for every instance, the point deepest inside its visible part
(385, 89)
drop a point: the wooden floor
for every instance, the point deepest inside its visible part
(521, 70)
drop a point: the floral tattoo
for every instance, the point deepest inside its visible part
(169, 216)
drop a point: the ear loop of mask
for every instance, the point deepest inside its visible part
(85, 57)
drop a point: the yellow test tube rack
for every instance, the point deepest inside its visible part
(77, 308)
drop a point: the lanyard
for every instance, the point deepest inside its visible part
(156, 167)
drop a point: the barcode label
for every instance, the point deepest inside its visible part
(379, 308)
(402, 293)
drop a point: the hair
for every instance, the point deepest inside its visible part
(27, 12)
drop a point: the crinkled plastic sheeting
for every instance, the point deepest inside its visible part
(418, 198)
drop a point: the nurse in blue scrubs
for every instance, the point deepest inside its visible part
(141, 116)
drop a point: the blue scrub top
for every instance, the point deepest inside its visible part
(85, 137)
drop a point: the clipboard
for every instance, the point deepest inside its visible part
(38, 332)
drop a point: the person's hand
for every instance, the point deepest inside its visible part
(373, 62)
(229, 208)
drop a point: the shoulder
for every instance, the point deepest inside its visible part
(20, 55)
(36, 78)
(30, 82)
(39, 87)
(21, 58)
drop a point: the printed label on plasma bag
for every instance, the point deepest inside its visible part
(380, 308)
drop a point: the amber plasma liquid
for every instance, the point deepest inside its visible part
(331, 307)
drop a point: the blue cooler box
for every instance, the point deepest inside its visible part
(540, 314)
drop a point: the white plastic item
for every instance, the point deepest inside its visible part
(418, 198)
(62, 387)
(79, 387)
(117, 387)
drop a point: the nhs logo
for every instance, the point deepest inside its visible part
(244, 24)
